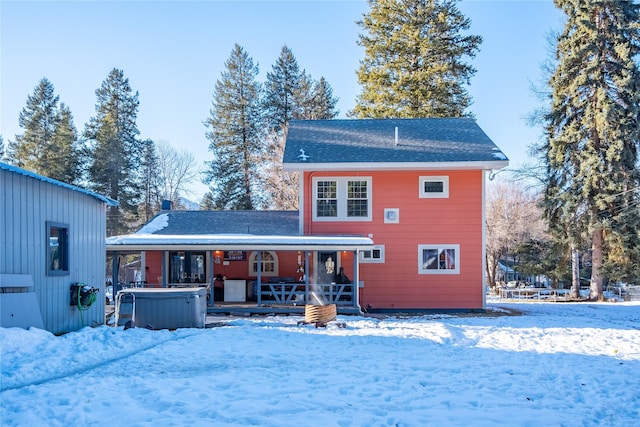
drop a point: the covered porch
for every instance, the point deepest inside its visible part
(260, 274)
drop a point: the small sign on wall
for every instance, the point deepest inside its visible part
(235, 255)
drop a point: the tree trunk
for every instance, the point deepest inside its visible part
(595, 288)
(575, 272)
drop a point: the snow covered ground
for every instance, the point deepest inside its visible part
(560, 364)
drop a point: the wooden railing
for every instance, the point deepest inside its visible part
(300, 293)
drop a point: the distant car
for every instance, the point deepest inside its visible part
(512, 284)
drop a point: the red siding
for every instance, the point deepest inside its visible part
(453, 220)
(287, 262)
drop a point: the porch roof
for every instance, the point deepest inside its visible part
(141, 242)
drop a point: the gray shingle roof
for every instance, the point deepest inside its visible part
(433, 140)
(263, 223)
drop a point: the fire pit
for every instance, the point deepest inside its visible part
(319, 314)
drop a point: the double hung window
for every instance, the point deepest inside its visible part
(342, 199)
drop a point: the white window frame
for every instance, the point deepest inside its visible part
(341, 197)
(427, 195)
(366, 255)
(455, 247)
(253, 263)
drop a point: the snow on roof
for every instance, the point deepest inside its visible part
(25, 172)
(157, 224)
(139, 241)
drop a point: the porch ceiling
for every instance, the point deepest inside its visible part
(141, 242)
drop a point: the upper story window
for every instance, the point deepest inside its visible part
(57, 249)
(438, 259)
(434, 187)
(342, 199)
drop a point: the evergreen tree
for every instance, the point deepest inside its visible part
(207, 203)
(152, 202)
(324, 103)
(303, 98)
(38, 119)
(49, 144)
(3, 150)
(234, 134)
(414, 65)
(593, 134)
(290, 94)
(63, 157)
(116, 153)
(280, 90)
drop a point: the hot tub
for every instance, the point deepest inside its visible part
(162, 308)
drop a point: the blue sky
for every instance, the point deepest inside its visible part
(173, 52)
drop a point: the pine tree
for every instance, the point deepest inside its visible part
(280, 90)
(38, 119)
(290, 94)
(414, 65)
(593, 134)
(151, 181)
(207, 203)
(116, 153)
(63, 157)
(324, 103)
(49, 144)
(235, 134)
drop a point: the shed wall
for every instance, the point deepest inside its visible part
(26, 206)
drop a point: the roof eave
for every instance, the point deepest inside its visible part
(134, 242)
(397, 166)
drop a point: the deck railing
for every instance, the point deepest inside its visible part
(301, 293)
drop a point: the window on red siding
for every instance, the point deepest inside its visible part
(438, 259)
(342, 199)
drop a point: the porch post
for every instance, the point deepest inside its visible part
(306, 276)
(115, 266)
(356, 279)
(163, 270)
(259, 278)
(210, 278)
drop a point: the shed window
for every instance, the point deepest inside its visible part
(57, 249)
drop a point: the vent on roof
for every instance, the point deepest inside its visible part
(302, 156)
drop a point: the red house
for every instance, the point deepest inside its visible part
(395, 205)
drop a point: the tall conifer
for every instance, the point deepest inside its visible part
(414, 65)
(235, 134)
(49, 144)
(593, 136)
(116, 152)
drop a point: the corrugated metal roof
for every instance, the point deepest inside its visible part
(25, 172)
(313, 144)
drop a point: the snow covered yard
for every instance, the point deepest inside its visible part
(556, 364)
